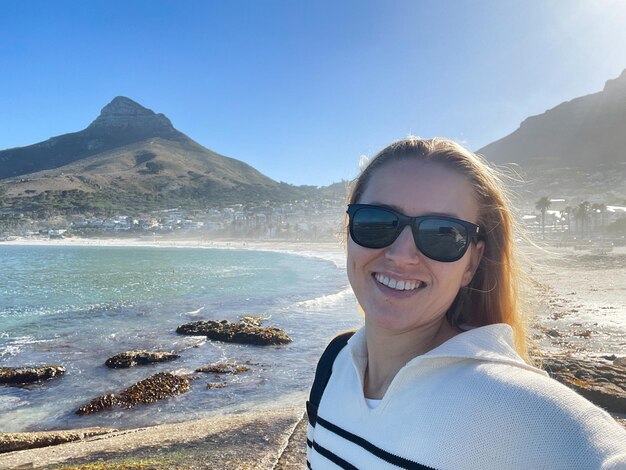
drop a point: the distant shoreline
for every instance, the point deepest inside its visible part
(239, 244)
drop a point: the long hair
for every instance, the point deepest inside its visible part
(493, 294)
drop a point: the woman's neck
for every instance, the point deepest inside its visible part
(388, 352)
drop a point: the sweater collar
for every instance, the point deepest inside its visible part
(492, 343)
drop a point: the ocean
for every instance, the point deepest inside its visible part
(78, 305)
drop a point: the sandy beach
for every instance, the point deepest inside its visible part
(572, 291)
(266, 245)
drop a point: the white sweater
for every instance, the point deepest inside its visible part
(471, 403)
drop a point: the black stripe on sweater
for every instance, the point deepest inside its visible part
(377, 451)
(333, 458)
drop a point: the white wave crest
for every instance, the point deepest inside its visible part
(192, 313)
(326, 300)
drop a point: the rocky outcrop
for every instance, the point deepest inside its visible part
(12, 441)
(224, 368)
(125, 113)
(138, 357)
(25, 375)
(154, 388)
(602, 384)
(243, 332)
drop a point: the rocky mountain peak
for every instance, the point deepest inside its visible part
(123, 112)
(617, 85)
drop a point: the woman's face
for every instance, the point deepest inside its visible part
(412, 188)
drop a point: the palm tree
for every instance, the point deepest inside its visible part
(597, 210)
(566, 213)
(581, 213)
(543, 204)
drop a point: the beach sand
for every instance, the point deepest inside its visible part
(264, 245)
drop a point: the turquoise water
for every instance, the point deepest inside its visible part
(77, 306)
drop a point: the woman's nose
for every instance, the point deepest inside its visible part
(403, 249)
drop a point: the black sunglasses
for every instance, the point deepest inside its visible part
(438, 237)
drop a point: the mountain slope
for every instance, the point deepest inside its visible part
(121, 122)
(587, 132)
(129, 157)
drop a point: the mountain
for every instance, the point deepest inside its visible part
(129, 157)
(585, 133)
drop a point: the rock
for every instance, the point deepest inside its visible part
(211, 385)
(138, 357)
(252, 320)
(553, 333)
(602, 384)
(12, 441)
(223, 368)
(229, 332)
(619, 361)
(154, 388)
(24, 375)
(101, 403)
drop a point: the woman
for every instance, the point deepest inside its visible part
(438, 376)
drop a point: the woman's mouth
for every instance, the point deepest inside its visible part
(398, 284)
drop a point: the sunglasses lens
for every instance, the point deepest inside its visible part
(442, 240)
(373, 227)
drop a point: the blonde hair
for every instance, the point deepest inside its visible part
(493, 294)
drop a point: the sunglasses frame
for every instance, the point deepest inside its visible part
(473, 230)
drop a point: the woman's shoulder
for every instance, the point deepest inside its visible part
(534, 400)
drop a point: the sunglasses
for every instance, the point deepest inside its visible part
(437, 237)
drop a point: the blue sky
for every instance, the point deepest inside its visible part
(301, 89)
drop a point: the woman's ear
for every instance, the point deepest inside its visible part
(476, 254)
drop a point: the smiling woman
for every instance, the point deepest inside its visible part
(438, 377)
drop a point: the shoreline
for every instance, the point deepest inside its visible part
(238, 244)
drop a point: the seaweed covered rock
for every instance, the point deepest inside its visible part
(600, 383)
(242, 332)
(223, 368)
(253, 320)
(25, 375)
(138, 357)
(154, 388)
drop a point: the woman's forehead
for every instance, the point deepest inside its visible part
(417, 188)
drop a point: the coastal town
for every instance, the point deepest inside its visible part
(552, 219)
(306, 220)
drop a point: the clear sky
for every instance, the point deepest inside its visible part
(300, 89)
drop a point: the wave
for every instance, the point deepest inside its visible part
(14, 346)
(325, 301)
(192, 313)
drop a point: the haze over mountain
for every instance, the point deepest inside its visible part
(136, 156)
(587, 133)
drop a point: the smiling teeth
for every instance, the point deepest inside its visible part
(397, 285)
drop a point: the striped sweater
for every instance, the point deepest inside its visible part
(471, 403)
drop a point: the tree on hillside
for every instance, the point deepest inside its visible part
(543, 204)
